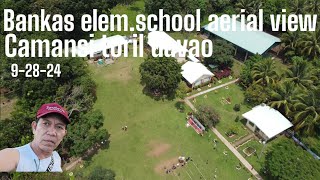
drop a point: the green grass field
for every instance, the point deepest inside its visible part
(216, 99)
(156, 134)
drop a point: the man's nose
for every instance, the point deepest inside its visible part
(52, 131)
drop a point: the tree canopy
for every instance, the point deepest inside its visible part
(74, 89)
(207, 116)
(160, 75)
(172, 7)
(288, 161)
(222, 54)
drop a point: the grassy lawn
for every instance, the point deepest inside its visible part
(214, 84)
(225, 110)
(257, 159)
(156, 134)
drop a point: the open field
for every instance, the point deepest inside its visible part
(156, 134)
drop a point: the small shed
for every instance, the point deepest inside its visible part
(196, 73)
(266, 121)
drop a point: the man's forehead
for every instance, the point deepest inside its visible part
(53, 119)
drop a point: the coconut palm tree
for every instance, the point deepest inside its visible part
(298, 6)
(316, 65)
(301, 73)
(290, 42)
(281, 97)
(310, 43)
(307, 108)
(248, 5)
(264, 72)
(313, 6)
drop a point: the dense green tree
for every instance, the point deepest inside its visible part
(298, 6)
(264, 72)
(251, 7)
(85, 132)
(207, 116)
(288, 161)
(256, 94)
(100, 173)
(310, 44)
(290, 42)
(301, 73)
(272, 7)
(307, 112)
(281, 97)
(246, 78)
(222, 54)
(313, 6)
(160, 75)
(172, 7)
(75, 7)
(316, 71)
(220, 5)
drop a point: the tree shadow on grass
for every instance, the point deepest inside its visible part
(158, 96)
(105, 144)
(180, 106)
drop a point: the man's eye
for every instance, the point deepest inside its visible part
(60, 127)
(46, 123)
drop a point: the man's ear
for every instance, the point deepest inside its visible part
(34, 126)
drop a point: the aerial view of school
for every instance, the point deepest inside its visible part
(251, 110)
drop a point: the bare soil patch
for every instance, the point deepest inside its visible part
(158, 148)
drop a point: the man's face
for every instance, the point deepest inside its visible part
(49, 132)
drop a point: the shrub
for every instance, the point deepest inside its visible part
(222, 73)
(207, 116)
(232, 130)
(236, 107)
(237, 119)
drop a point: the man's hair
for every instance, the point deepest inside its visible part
(56, 115)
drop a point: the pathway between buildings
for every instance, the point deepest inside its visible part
(217, 133)
(237, 154)
(212, 89)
